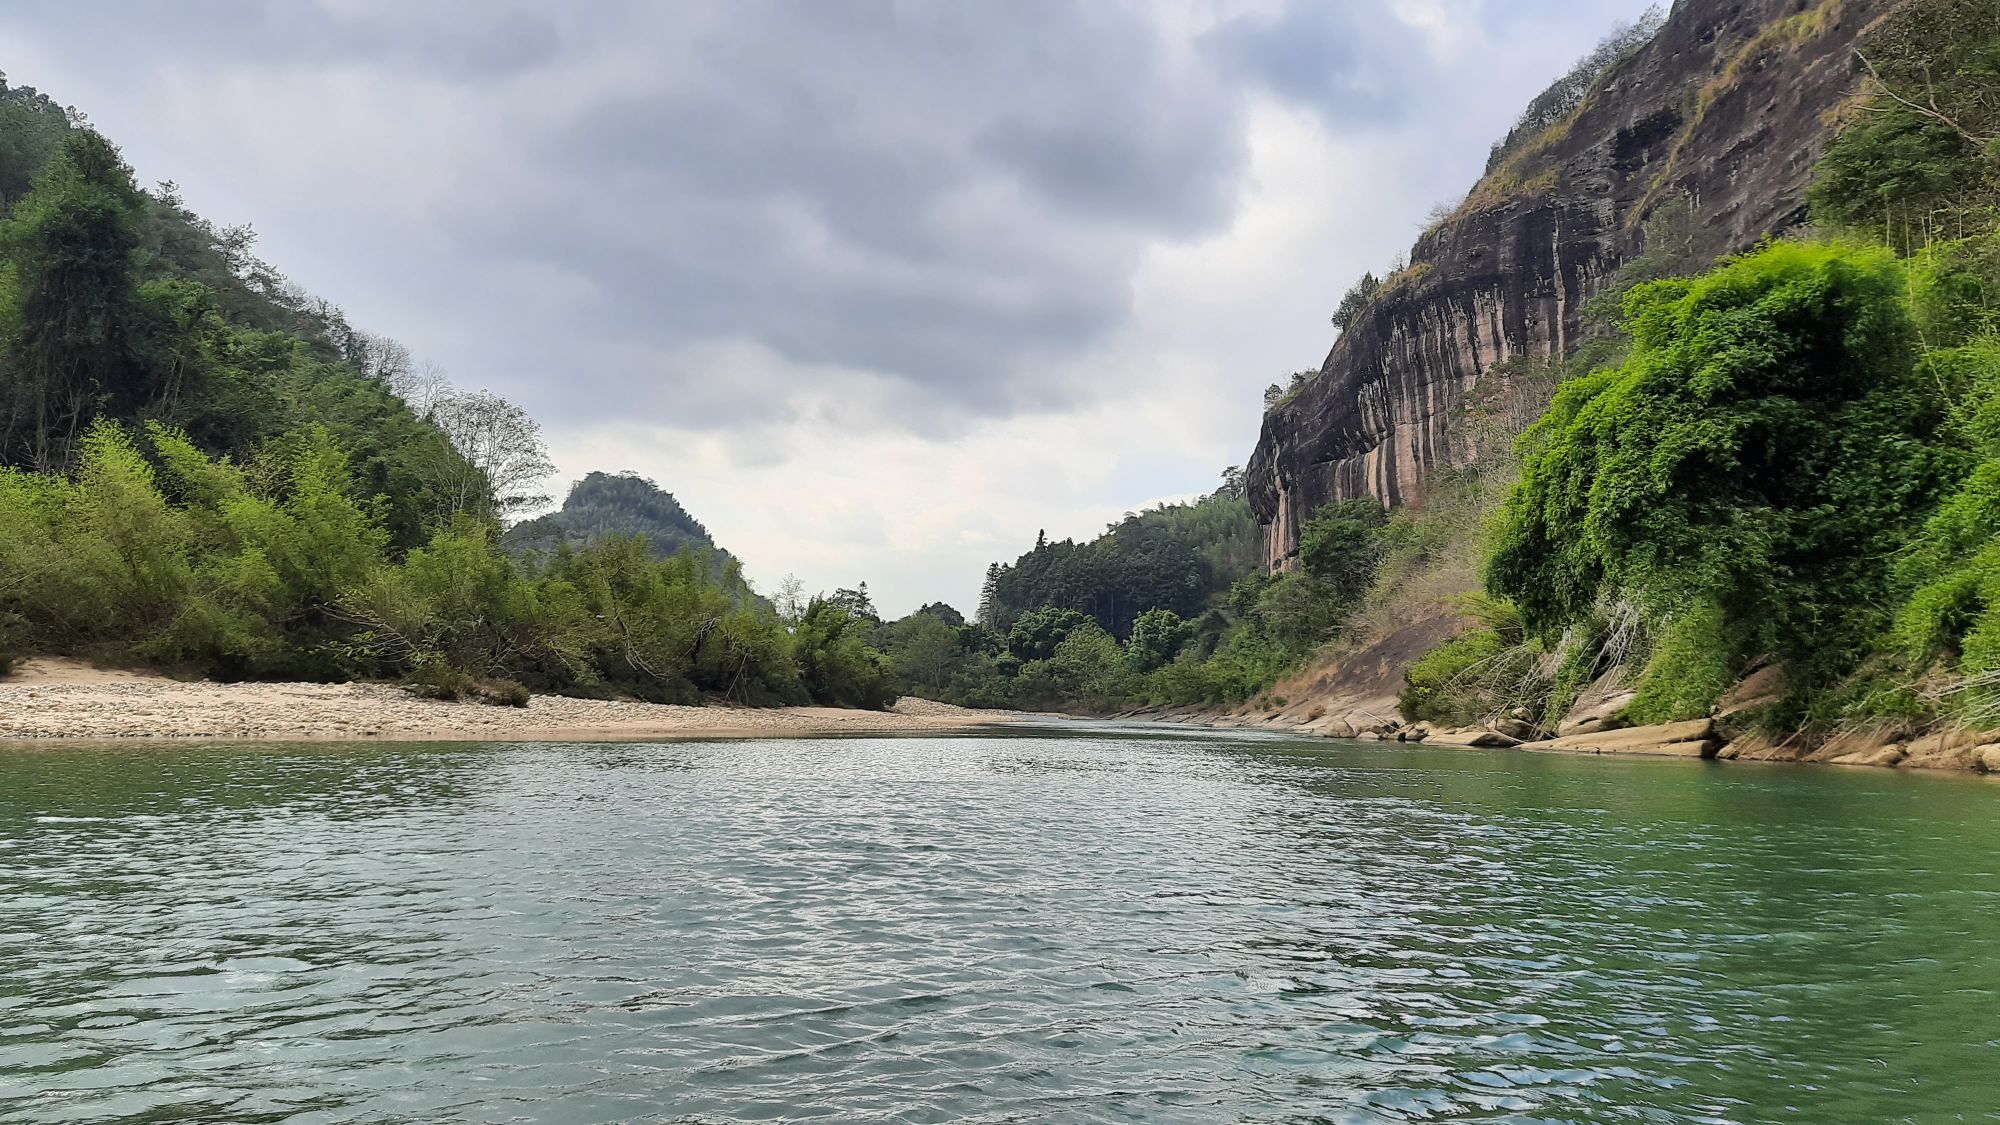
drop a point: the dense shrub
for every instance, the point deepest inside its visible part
(280, 567)
(1765, 449)
(1451, 684)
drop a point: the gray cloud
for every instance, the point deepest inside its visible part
(952, 197)
(454, 39)
(947, 195)
(1355, 64)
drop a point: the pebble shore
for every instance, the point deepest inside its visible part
(63, 700)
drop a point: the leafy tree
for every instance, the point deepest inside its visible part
(1340, 546)
(836, 664)
(924, 653)
(1157, 637)
(75, 350)
(32, 127)
(856, 602)
(1300, 612)
(1918, 161)
(1355, 301)
(1036, 634)
(1086, 669)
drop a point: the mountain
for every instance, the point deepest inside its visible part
(606, 505)
(1721, 116)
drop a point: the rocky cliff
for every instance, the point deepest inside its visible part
(1727, 109)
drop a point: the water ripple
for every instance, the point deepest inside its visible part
(1090, 925)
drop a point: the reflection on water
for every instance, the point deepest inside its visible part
(1085, 924)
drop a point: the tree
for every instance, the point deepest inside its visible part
(1339, 546)
(1301, 612)
(923, 652)
(1355, 301)
(989, 597)
(384, 360)
(1088, 668)
(502, 445)
(1157, 637)
(856, 602)
(835, 662)
(1037, 633)
(75, 348)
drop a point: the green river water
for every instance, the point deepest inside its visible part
(1076, 923)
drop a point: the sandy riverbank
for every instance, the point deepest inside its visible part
(50, 699)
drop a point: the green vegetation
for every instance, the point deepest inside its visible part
(1176, 556)
(278, 568)
(1798, 461)
(604, 506)
(1465, 679)
(1169, 606)
(1760, 454)
(205, 470)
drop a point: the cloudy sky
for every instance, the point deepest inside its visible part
(878, 288)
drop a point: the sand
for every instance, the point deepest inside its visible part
(55, 699)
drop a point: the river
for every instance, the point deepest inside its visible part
(1065, 924)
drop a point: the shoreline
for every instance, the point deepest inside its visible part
(50, 701)
(1950, 750)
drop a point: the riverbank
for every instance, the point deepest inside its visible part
(1886, 746)
(53, 699)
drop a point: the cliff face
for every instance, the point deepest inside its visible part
(1727, 108)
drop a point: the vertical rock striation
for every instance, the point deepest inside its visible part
(1727, 108)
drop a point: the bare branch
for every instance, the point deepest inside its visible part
(1930, 111)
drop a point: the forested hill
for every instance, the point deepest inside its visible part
(123, 304)
(1180, 557)
(205, 469)
(603, 506)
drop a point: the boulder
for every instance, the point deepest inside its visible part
(1759, 689)
(1758, 746)
(1520, 730)
(1989, 757)
(1692, 739)
(1864, 745)
(1594, 715)
(1481, 739)
(1953, 748)
(1889, 755)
